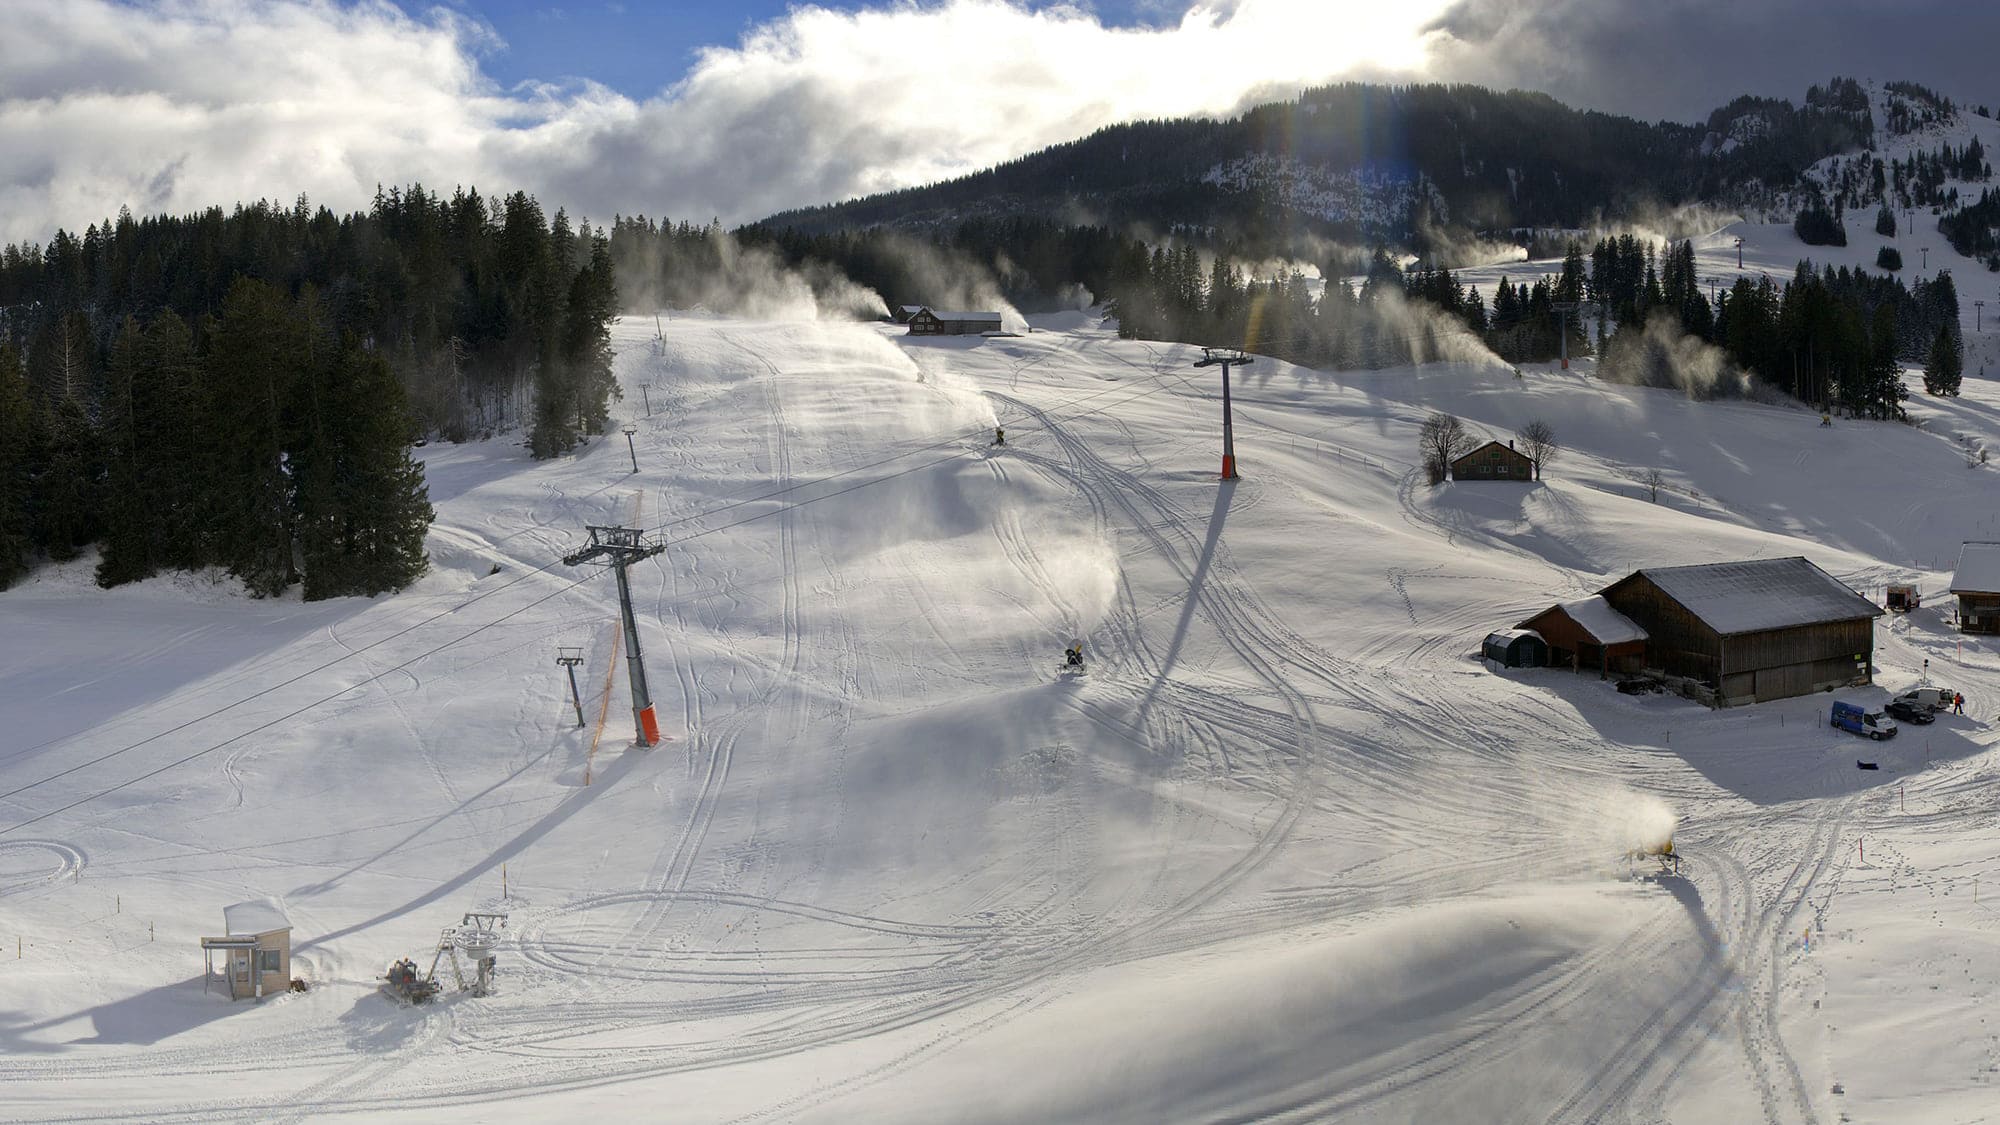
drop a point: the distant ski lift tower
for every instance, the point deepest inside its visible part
(569, 658)
(623, 546)
(1227, 358)
(630, 448)
(1563, 309)
(1739, 253)
(1978, 316)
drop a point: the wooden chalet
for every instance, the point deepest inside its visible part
(1494, 461)
(1753, 631)
(1976, 584)
(927, 321)
(1590, 634)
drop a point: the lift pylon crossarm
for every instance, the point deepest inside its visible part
(620, 544)
(1235, 357)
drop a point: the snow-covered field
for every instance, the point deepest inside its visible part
(1288, 850)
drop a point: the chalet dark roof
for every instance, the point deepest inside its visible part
(942, 314)
(1759, 594)
(1491, 445)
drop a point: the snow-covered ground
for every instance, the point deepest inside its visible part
(1287, 850)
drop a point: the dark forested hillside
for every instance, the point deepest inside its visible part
(1365, 163)
(242, 388)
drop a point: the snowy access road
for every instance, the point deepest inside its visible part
(1286, 851)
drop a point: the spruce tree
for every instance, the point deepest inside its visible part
(1885, 219)
(129, 534)
(18, 441)
(363, 504)
(252, 354)
(1944, 368)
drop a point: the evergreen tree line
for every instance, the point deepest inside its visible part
(266, 440)
(1383, 323)
(489, 314)
(1974, 231)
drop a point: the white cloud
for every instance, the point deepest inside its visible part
(179, 105)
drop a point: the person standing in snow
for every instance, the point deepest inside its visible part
(1958, 703)
(999, 436)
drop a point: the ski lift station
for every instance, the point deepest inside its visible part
(256, 950)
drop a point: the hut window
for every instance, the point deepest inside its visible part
(267, 961)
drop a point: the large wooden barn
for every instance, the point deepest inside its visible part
(1976, 584)
(1757, 630)
(1494, 461)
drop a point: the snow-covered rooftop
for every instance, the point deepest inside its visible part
(943, 314)
(1757, 594)
(1600, 620)
(1978, 569)
(1505, 636)
(258, 916)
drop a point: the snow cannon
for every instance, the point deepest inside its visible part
(1663, 853)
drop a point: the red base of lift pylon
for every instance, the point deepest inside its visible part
(1228, 468)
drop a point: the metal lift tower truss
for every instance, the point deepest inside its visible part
(1226, 358)
(619, 548)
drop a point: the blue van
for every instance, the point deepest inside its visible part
(1853, 717)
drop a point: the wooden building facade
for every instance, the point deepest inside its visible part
(930, 322)
(1976, 585)
(1757, 630)
(1494, 461)
(1589, 635)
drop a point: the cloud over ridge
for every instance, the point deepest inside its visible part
(183, 104)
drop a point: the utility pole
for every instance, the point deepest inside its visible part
(646, 392)
(1226, 357)
(1978, 315)
(629, 448)
(1739, 253)
(569, 658)
(1926, 251)
(1563, 309)
(623, 546)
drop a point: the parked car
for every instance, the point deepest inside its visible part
(1909, 711)
(1857, 719)
(1929, 698)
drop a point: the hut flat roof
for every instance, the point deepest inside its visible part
(258, 916)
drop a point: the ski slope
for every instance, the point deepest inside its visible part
(1287, 851)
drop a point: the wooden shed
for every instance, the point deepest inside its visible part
(1515, 648)
(1494, 461)
(1756, 630)
(932, 322)
(256, 950)
(1590, 634)
(1976, 584)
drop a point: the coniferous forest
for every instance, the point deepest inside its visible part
(242, 389)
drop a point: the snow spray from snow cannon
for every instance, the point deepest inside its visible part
(1610, 823)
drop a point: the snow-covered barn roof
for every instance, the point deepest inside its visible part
(1509, 636)
(258, 916)
(1601, 621)
(1759, 594)
(943, 315)
(1978, 569)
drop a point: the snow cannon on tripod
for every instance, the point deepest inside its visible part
(1662, 854)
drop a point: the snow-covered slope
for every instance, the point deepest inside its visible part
(1286, 850)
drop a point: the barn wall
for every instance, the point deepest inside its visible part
(1680, 644)
(1800, 644)
(1481, 464)
(1979, 613)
